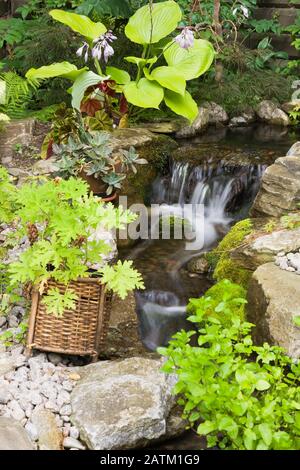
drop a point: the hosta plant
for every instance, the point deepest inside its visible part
(90, 155)
(167, 61)
(240, 396)
(60, 221)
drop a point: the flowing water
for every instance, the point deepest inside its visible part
(224, 178)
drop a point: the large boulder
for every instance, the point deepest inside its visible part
(13, 436)
(273, 302)
(124, 404)
(243, 120)
(216, 114)
(197, 127)
(123, 338)
(268, 112)
(280, 188)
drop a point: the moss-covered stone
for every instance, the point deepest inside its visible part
(155, 148)
(219, 259)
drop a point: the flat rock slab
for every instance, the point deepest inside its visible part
(263, 249)
(273, 302)
(13, 436)
(123, 404)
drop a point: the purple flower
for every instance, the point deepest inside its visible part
(102, 46)
(185, 39)
(83, 50)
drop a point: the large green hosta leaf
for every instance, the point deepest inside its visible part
(81, 84)
(192, 62)
(59, 69)
(168, 77)
(182, 105)
(118, 75)
(144, 30)
(79, 23)
(144, 94)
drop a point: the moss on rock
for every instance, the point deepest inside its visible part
(219, 259)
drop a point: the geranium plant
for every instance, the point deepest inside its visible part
(60, 221)
(183, 57)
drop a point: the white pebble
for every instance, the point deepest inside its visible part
(70, 442)
(32, 431)
(74, 432)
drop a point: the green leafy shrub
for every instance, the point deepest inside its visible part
(60, 221)
(7, 197)
(240, 396)
(222, 300)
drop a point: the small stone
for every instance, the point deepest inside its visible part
(13, 321)
(2, 321)
(51, 405)
(16, 411)
(21, 375)
(54, 358)
(66, 410)
(74, 432)
(28, 411)
(5, 394)
(35, 398)
(70, 442)
(49, 390)
(63, 398)
(67, 385)
(66, 419)
(19, 360)
(32, 431)
(35, 368)
(74, 376)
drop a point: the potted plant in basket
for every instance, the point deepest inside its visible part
(90, 156)
(65, 263)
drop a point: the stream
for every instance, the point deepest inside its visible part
(222, 171)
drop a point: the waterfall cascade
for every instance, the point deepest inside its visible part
(226, 192)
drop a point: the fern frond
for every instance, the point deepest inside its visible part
(18, 94)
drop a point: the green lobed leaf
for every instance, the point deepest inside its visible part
(79, 23)
(150, 25)
(182, 105)
(193, 62)
(144, 94)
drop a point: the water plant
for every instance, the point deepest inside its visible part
(240, 396)
(112, 88)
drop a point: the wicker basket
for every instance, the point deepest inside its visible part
(81, 331)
